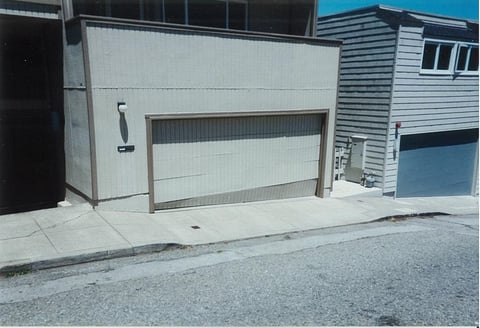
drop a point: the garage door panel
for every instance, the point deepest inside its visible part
(208, 148)
(232, 158)
(237, 156)
(232, 128)
(226, 180)
(294, 189)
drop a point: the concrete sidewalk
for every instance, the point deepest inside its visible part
(75, 234)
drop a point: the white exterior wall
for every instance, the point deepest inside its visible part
(156, 71)
(426, 103)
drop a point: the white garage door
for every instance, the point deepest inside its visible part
(201, 161)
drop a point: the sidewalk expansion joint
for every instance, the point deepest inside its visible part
(114, 229)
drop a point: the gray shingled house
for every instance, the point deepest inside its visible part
(408, 100)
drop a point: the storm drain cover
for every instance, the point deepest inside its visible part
(388, 320)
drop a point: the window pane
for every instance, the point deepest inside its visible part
(462, 58)
(207, 13)
(126, 9)
(473, 64)
(89, 7)
(153, 10)
(237, 15)
(444, 56)
(175, 11)
(428, 61)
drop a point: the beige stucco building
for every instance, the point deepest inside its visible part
(165, 108)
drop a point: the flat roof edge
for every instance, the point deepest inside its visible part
(399, 11)
(350, 12)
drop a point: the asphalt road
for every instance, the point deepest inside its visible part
(419, 271)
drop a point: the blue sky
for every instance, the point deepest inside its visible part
(456, 8)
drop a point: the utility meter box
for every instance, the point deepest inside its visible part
(356, 161)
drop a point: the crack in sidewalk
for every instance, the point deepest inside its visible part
(40, 229)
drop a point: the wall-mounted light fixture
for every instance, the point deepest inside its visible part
(398, 125)
(122, 107)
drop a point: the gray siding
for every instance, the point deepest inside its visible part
(77, 140)
(365, 81)
(156, 71)
(20, 8)
(426, 103)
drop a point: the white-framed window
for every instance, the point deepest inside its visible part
(449, 57)
(467, 59)
(438, 57)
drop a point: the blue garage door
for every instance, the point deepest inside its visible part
(437, 164)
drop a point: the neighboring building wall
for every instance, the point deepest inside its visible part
(77, 138)
(425, 102)
(43, 9)
(161, 70)
(365, 87)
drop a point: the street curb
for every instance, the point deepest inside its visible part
(22, 268)
(83, 258)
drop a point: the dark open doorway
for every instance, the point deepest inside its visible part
(32, 174)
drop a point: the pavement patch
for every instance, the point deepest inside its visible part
(403, 217)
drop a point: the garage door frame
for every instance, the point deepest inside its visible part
(150, 118)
